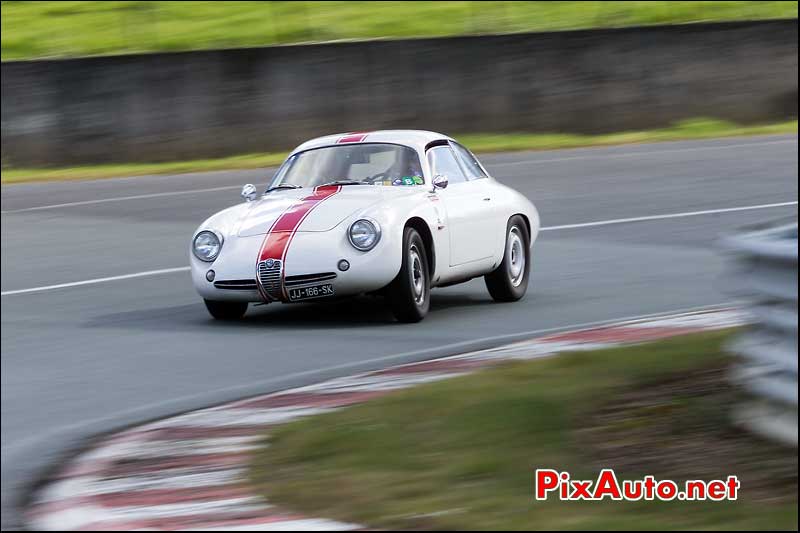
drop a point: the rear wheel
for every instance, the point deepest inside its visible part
(509, 281)
(409, 295)
(226, 310)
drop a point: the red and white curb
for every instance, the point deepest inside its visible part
(189, 471)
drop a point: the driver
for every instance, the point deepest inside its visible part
(406, 166)
(414, 167)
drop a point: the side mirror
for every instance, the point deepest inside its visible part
(249, 192)
(439, 182)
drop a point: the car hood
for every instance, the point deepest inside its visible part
(313, 213)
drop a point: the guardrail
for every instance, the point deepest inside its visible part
(766, 276)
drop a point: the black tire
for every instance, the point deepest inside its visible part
(509, 281)
(409, 295)
(226, 310)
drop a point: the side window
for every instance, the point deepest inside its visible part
(443, 162)
(471, 165)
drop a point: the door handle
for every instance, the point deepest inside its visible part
(487, 199)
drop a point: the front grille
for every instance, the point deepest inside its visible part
(306, 279)
(270, 277)
(236, 284)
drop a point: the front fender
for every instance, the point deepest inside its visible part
(393, 219)
(224, 222)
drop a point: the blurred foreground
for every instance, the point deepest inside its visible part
(460, 454)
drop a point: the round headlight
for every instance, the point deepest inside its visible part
(206, 246)
(364, 234)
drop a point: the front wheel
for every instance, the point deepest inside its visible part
(409, 294)
(509, 281)
(226, 310)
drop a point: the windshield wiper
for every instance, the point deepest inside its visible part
(343, 182)
(284, 186)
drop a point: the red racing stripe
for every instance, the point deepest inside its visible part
(353, 137)
(280, 235)
(283, 229)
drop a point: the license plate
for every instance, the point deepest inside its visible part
(313, 291)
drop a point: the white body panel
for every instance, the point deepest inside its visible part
(466, 222)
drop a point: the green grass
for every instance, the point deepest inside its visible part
(479, 142)
(90, 172)
(701, 128)
(68, 29)
(459, 454)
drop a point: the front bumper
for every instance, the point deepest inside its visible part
(312, 254)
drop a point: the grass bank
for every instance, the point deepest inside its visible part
(690, 129)
(460, 454)
(69, 29)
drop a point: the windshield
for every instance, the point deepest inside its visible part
(372, 164)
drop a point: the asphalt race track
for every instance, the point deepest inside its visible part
(84, 359)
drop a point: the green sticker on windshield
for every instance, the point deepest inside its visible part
(418, 180)
(408, 180)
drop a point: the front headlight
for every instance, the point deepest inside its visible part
(206, 246)
(364, 234)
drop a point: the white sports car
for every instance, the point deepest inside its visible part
(389, 212)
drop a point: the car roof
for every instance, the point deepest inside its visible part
(417, 139)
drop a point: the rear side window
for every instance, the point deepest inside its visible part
(471, 165)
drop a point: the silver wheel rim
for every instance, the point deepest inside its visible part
(515, 251)
(417, 274)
